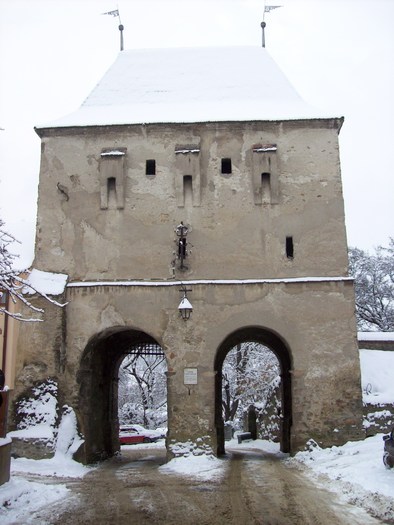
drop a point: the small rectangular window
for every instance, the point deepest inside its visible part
(111, 192)
(265, 188)
(226, 166)
(150, 168)
(188, 191)
(289, 248)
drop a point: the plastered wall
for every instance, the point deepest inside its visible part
(110, 226)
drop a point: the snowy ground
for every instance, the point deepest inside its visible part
(355, 470)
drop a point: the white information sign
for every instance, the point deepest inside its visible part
(190, 376)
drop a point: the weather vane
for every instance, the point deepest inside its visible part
(115, 13)
(267, 9)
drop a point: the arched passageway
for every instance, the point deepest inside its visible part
(272, 341)
(98, 388)
(142, 387)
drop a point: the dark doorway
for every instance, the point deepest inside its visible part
(98, 388)
(255, 336)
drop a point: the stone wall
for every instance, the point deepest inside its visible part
(236, 233)
(269, 258)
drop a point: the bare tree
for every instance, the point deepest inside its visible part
(374, 287)
(13, 283)
(143, 389)
(247, 375)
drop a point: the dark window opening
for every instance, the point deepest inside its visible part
(188, 190)
(150, 168)
(111, 189)
(266, 187)
(226, 166)
(289, 248)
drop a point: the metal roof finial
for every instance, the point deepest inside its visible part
(115, 12)
(267, 9)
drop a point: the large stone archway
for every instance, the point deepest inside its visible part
(98, 388)
(275, 343)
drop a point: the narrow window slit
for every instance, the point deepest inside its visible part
(266, 188)
(150, 167)
(226, 166)
(289, 248)
(111, 191)
(188, 190)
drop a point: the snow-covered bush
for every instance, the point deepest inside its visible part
(38, 407)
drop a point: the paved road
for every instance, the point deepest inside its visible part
(257, 489)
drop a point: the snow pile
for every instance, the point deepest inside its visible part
(38, 414)
(355, 471)
(68, 439)
(20, 498)
(377, 368)
(202, 467)
(261, 444)
(62, 464)
(194, 459)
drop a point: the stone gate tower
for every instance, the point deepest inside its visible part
(216, 140)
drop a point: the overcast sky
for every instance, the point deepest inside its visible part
(337, 53)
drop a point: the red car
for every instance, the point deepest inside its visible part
(132, 434)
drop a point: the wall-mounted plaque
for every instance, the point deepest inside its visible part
(190, 376)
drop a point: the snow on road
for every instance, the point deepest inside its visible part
(355, 470)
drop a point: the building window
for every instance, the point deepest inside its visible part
(265, 174)
(289, 248)
(150, 167)
(266, 188)
(111, 191)
(112, 168)
(226, 166)
(188, 191)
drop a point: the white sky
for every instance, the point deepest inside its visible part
(337, 53)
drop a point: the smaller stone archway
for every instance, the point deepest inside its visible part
(278, 346)
(98, 388)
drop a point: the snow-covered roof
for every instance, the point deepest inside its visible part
(46, 283)
(191, 85)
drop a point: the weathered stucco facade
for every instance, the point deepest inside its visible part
(264, 203)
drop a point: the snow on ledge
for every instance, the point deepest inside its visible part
(46, 283)
(375, 336)
(81, 284)
(113, 153)
(5, 441)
